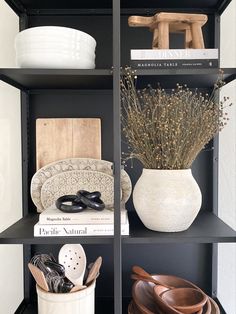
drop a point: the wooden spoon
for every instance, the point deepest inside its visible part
(146, 276)
(149, 279)
(94, 271)
(77, 288)
(38, 276)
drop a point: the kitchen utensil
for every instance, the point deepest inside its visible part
(38, 276)
(94, 271)
(78, 288)
(149, 279)
(145, 275)
(73, 258)
(39, 261)
(185, 300)
(58, 139)
(54, 282)
(71, 181)
(66, 285)
(56, 267)
(65, 165)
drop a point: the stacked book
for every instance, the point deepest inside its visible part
(55, 223)
(174, 58)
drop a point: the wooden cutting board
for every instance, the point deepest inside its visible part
(58, 139)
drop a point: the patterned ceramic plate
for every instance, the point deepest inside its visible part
(72, 181)
(50, 170)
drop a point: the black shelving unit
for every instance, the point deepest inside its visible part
(95, 93)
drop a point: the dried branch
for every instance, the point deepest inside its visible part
(168, 130)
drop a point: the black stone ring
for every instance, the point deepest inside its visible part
(94, 203)
(89, 195)
(76, 207)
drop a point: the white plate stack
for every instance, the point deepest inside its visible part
(55, 47)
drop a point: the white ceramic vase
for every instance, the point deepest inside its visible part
(167, 200)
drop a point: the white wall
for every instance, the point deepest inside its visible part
(227, 168)
(11, 256)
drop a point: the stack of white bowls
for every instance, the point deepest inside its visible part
(55, 47)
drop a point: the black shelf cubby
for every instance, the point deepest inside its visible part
(95, 93)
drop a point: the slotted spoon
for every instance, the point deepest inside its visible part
(73, 258)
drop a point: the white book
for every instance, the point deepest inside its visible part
(53, 215)
(41, 230)
(173, 54)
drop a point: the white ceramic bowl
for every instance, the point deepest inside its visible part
(53, 61)
(79, 53)
(50, 54)
(55, 47)
(70, 44)
(52, 33)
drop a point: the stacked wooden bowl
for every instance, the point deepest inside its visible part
(150, 298)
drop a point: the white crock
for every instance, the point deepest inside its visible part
(167, 200)
(80, 302)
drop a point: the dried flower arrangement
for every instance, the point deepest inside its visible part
(168, 130)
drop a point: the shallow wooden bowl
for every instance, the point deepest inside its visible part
(142, 293)
(214, 307)
(175, 282)
(143, 297)
(185, 300)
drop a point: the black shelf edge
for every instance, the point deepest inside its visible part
(207, 228)
(31, 79)
(22, 232)
(103, 305)
(200, 78)
(71, 79)
(46, 7)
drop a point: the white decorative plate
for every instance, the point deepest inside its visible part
(70, 164)
(72, 181)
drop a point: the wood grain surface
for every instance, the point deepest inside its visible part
(58, 139)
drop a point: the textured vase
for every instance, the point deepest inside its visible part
(167, 200)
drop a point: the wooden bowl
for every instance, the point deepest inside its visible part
(214, 307)
(142, 293)
(185, 300)
(147, 304)
(175, 282)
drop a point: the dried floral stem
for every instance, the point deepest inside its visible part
(168, 130)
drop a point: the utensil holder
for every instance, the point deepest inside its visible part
(80, 302)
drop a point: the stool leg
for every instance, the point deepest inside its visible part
(188, 39)
(197, 37)
(155, 39)
(163, 39)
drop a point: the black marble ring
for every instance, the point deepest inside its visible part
(75, 207)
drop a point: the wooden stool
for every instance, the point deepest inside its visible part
(161, 24)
